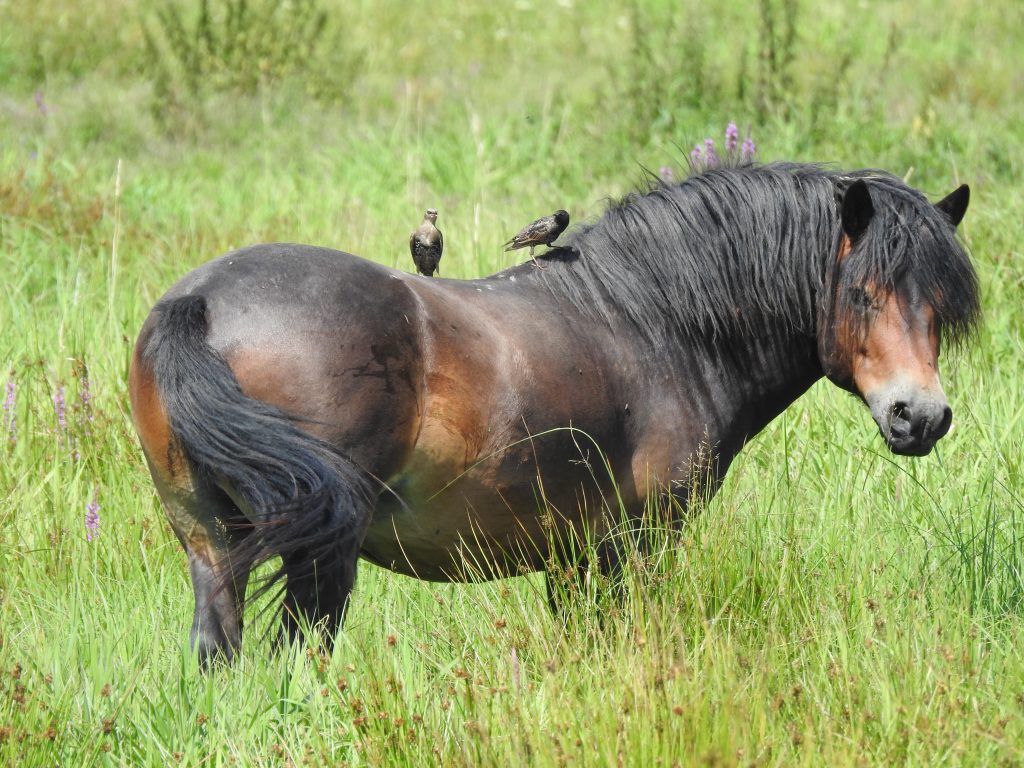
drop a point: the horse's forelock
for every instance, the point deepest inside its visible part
(910, 238)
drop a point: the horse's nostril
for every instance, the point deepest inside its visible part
(944, 424)
(900, 424)
(901, 411)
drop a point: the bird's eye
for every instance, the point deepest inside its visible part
(860, 298)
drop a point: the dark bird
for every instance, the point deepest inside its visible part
(541, 232)
(426, 244)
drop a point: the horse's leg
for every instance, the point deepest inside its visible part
(636, 536)
(317, 592)
(564, 583)
(571, 571)
(208, 525)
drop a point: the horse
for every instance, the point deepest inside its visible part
(302, 403)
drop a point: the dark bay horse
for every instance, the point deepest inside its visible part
(304, 403)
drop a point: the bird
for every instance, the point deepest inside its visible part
(543, 231)
(426, 244)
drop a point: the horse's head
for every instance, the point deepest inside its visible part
(899, 284)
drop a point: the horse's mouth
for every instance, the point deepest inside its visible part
(912, 427)
(904, 446)
(914, 438)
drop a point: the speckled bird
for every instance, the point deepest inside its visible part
(426, 244)
(541, 232)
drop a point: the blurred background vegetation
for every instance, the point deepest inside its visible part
(338, 122)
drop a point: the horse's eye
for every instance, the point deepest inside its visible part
(860, 298)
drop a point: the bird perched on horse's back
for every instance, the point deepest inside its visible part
(541, 232)
(426, 244)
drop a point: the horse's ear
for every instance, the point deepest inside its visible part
(857, 209)
(954, 205)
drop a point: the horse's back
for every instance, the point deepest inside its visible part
(291, 282)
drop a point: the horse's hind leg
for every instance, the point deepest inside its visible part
(208, 525)
(317, 589)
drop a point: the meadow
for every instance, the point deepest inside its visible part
(833, 605)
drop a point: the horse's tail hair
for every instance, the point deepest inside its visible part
(303, 500)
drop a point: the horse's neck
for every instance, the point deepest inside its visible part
(750, 384)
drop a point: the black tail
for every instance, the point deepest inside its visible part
(306, 502)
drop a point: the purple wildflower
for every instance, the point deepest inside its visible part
(710, 158)
(732, 137)
(748, 151)
(40, 103)
(59, 409)
(10, 415)
(666, 175)
(696, 156)
(92, 519)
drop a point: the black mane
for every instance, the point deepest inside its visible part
(737, 251)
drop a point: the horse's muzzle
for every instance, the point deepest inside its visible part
(911, 423)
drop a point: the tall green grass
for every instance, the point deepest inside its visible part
(833, 605)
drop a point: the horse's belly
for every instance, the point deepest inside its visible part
(493, 518)
(455, 537)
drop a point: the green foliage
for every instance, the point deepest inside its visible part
(678, 64)
(776, 56)
(655, 86)
(243, 47)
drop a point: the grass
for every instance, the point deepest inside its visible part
(833, 605)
